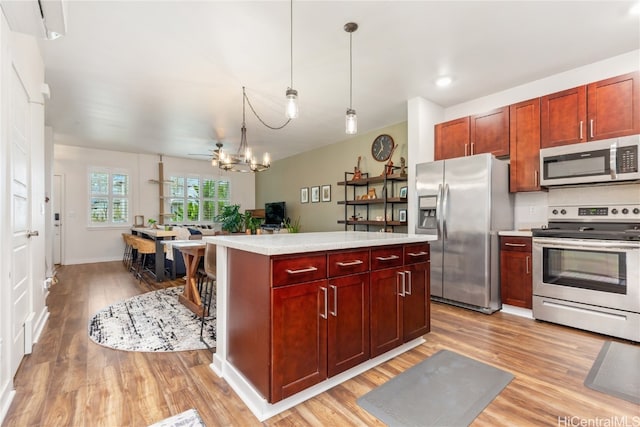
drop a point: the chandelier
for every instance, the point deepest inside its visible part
(242, 160)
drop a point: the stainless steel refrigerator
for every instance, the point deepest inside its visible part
(465, 202)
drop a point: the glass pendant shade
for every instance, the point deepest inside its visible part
(351, 122)
(292, 103)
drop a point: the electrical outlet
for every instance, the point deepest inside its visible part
(532, 210)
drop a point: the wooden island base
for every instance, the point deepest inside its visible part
(300, 314)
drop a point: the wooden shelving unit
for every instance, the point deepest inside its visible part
(387, 191)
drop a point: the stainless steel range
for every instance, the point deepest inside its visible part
(586, 263)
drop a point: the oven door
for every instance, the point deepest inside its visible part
(602, 273)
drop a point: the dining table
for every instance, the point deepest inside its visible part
(192, 252)
(158, 235)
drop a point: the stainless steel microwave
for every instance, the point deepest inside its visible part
(608, 160)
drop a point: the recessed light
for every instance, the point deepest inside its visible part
(635, 9)
(443, 81)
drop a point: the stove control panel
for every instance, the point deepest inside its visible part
(613, 213)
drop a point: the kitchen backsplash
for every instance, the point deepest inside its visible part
(530, 210)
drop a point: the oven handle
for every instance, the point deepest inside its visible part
(594, 244)
(613, 159)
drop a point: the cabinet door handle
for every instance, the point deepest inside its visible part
(349, 263)
(400, 274)
(465, 150)
(535, 177)
(421, 253)
(591, 128)
(580, 129)
(334, 313)
(472, 150)
(526, 261)
(387, 258)
(518, 245)
(408, 291)
(324, 290)
(303, 270)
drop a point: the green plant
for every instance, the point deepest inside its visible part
(292, 227)
(230, 218)
(152, 222)
(251, 223)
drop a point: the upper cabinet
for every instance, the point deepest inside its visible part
(524, 140)
(490, 133)
(482, 133)
(452, 139)
(606, 109)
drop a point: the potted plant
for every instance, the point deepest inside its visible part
(292, 227)
(251, 224)
(152, 223)
(230, 218)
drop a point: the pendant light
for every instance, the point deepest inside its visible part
(351, 120)
(292, 94)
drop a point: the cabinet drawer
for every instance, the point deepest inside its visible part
(348, 262)
(386, 257)
(515, 244)
(416, 253)
(298, 269)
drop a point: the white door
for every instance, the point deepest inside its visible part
(19, 146)
(57, 219)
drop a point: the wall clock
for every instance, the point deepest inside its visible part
(382, 147)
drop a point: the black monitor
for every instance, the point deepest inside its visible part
(274, 214)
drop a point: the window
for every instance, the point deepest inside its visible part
(197, 199)
(109, 198)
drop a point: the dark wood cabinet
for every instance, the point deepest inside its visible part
(490, 133)
(524, 142)
(298, 338)
(613, 107)
(515, 271)
(295, 320)
(605, 109)
(400, 298)
(348, 322)
(482, 133)
(452, 139)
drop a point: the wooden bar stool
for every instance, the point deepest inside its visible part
(127, 256)
(145, 248)
(208, 287)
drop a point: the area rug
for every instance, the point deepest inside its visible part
(190, 418)
(153, 322)
(447, 389)
(616, 371)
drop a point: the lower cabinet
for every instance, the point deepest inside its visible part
(515, 271)
(328, 312)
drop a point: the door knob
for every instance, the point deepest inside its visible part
(32, 234)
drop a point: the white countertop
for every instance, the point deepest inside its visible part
(515, 233)
(290, 243)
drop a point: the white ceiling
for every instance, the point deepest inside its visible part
(166, 76)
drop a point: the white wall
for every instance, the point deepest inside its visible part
(530, 208)
(84, 244)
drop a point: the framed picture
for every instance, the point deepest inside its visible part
(304, 195)
(402, 214)
(326, 193)
(403, 192)
(315, 194)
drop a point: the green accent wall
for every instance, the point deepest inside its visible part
(325, 166)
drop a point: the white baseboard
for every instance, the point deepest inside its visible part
(6, 397)
(263, 410)
(517, 311)
(39, 326)
(91, 260)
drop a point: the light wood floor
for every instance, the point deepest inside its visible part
(71, 381)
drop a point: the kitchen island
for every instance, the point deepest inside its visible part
(300, 313)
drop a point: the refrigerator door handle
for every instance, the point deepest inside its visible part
(439, 212)
(445, 210)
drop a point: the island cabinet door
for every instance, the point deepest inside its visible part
(416, 320)
(348, 322)
(386, 310)
(298, 337)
